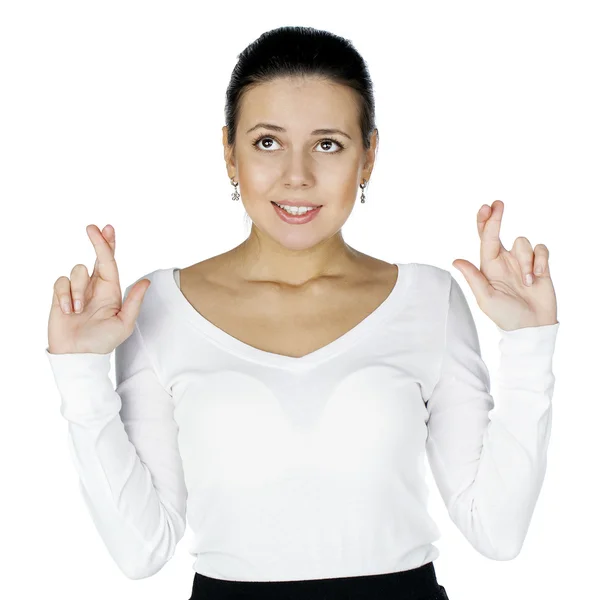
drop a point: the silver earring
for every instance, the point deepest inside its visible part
(235, 195)
(362, 195)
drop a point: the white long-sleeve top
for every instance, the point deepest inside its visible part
(313, 467)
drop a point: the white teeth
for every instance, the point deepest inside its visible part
(296, 210)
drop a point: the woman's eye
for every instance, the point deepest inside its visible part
(258, 144)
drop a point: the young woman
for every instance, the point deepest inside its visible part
(281, 397)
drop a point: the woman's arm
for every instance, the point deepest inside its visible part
(123, 443)
(489, 461)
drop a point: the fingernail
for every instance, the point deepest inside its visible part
(538, 270)
(528, 279)
(77, 305)
(66, 307)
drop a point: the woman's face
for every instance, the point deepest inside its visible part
(295, 163)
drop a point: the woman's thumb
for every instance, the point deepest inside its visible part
(133, 302)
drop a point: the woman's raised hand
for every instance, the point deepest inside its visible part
(102, 321)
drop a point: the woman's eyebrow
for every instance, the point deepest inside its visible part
(314, 132)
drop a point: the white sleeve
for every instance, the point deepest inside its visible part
(124, 446)
(489, 461)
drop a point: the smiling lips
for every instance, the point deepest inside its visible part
(299, 217)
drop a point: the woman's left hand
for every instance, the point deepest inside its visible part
(500, 286)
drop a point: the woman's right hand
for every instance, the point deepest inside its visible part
(104, 321)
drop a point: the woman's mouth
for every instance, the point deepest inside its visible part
(296, 216)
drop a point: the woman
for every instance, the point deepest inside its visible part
(280, 397)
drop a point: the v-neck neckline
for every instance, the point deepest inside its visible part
(182, 307)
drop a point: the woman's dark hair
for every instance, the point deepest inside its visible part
(297, 52)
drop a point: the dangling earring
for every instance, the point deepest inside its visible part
(235, 195)
(362, 195)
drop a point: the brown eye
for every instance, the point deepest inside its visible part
(329, 142)
(261, 139)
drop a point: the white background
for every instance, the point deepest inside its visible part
(111, 112)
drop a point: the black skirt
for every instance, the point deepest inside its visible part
(415, 584)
